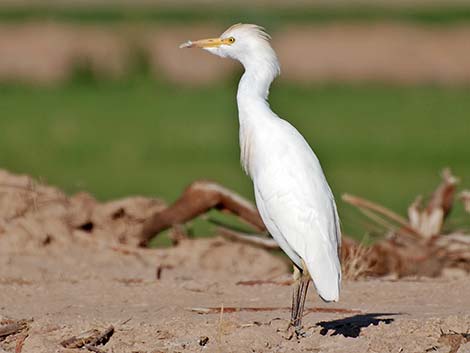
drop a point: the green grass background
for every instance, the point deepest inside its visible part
(138, 136)
(443, 14)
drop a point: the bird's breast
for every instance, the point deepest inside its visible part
(246, 148)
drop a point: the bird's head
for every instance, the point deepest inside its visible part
(246, 43)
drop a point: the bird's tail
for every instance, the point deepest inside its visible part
(325, 270)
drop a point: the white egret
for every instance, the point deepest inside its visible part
(291, 191)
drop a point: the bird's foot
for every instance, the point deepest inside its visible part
(299, 332)
(289, 332)
(294, 331)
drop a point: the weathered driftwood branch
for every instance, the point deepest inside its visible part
(253, 239)
(355, 257)
(100, 340)
(89, 339)
(198, 198)
(13, 328)
(443, 196)
(422, 221)
(428, 221)
(465, 197)
(427, 253)
(411, 247)
(81, 339)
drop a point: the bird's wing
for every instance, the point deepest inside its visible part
(297, 202)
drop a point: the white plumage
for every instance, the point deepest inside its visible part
(292, 194)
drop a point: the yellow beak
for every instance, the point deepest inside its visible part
(205, 43)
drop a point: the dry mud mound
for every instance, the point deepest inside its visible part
(40, 219)
(69, 265)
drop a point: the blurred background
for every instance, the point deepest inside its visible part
(95, 95)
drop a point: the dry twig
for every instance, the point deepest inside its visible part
(89, 339)
(369, 205)
(13, 328)
(229, 310)
(253, 239)
(262, 282)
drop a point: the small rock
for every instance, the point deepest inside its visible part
(203, 340)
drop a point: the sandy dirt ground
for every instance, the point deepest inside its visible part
(354, 52)
(69, 266)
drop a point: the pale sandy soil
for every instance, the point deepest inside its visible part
(80, 288)
(385, 52)
(69, 280)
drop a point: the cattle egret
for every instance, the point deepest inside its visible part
(291, 191)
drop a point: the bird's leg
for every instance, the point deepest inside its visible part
(302, 281)
(295, 296)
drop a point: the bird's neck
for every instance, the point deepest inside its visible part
(253, 106)
(258, 76)
(253, 89)
(254, 84)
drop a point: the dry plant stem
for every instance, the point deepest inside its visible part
(198, 198)
(354, 260)
(20, 343)
(363, 203)
(258, 282)
(253, 239)
(443, 196)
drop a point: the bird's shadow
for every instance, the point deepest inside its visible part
(352, 326)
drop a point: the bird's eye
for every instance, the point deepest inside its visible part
(231, 40)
